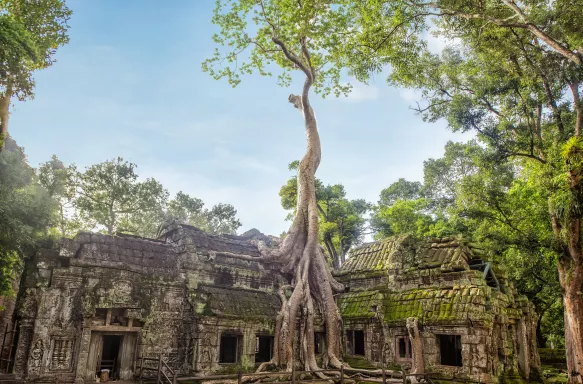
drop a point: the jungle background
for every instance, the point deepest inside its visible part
(511, 75)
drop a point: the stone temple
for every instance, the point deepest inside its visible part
(105, 301)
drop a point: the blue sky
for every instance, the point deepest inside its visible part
(129, 84)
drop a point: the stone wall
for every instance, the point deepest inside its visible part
(397, 279)
(175, 297)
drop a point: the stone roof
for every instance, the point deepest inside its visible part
(403, 252)
(205, 243)
(131, 251)
(436, 305)
(238, 302)
(360, 304)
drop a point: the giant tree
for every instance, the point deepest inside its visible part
(306, 37)
(30, 33)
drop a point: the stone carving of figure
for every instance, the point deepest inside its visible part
(37, 354)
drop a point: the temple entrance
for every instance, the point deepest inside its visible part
(109, 355)
(113, 351)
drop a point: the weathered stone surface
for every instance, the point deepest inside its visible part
(177, 296)
(445, 284)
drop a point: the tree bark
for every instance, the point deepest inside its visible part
(570, 267)
(4, 114)
(332, 251)
(571, 278)
(341, 241)
(417, 364)
(578, 106)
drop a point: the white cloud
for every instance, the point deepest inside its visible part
(437, 43)
(362, 92)
(410, 95)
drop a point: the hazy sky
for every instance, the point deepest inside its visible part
(129, 84)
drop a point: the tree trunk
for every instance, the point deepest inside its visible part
(341, 241)
(570, 276)
(417, 365)
(300, 253)
(570, 267)
(4, 113)
(332, 251)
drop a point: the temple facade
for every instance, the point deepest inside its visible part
(101, 302)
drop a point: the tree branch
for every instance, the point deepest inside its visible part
(526, 24)
(292, 56)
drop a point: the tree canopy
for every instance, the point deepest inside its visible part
(26, 212)
(30, 34)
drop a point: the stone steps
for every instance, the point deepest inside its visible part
(9, 379)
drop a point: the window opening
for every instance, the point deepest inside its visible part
(355, 342)
(450, 348)
(319, 342)
(263, 348)
(403, 347)
(229, 349)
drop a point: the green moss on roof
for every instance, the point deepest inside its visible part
(438, 305)
(408, 254)
(360, 304)
(377, 256)
(513, 313)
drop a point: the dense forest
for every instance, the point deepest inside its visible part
(511, 73)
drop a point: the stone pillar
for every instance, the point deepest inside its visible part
(523, 349)
(26, 332)
(417, 364)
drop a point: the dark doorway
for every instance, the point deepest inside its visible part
(229, 352)
(319, 342)
(450, 348)
(263, 348)
(355, 342)
(110, 354)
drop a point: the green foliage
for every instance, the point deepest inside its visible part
(256, 34)
(59, 181)
(220, 219)
(25, 212)
(111, 196)
(401, 217)
(400, 190)
(17, 49)
(496, 204)
(31, 33)
(511, 73)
